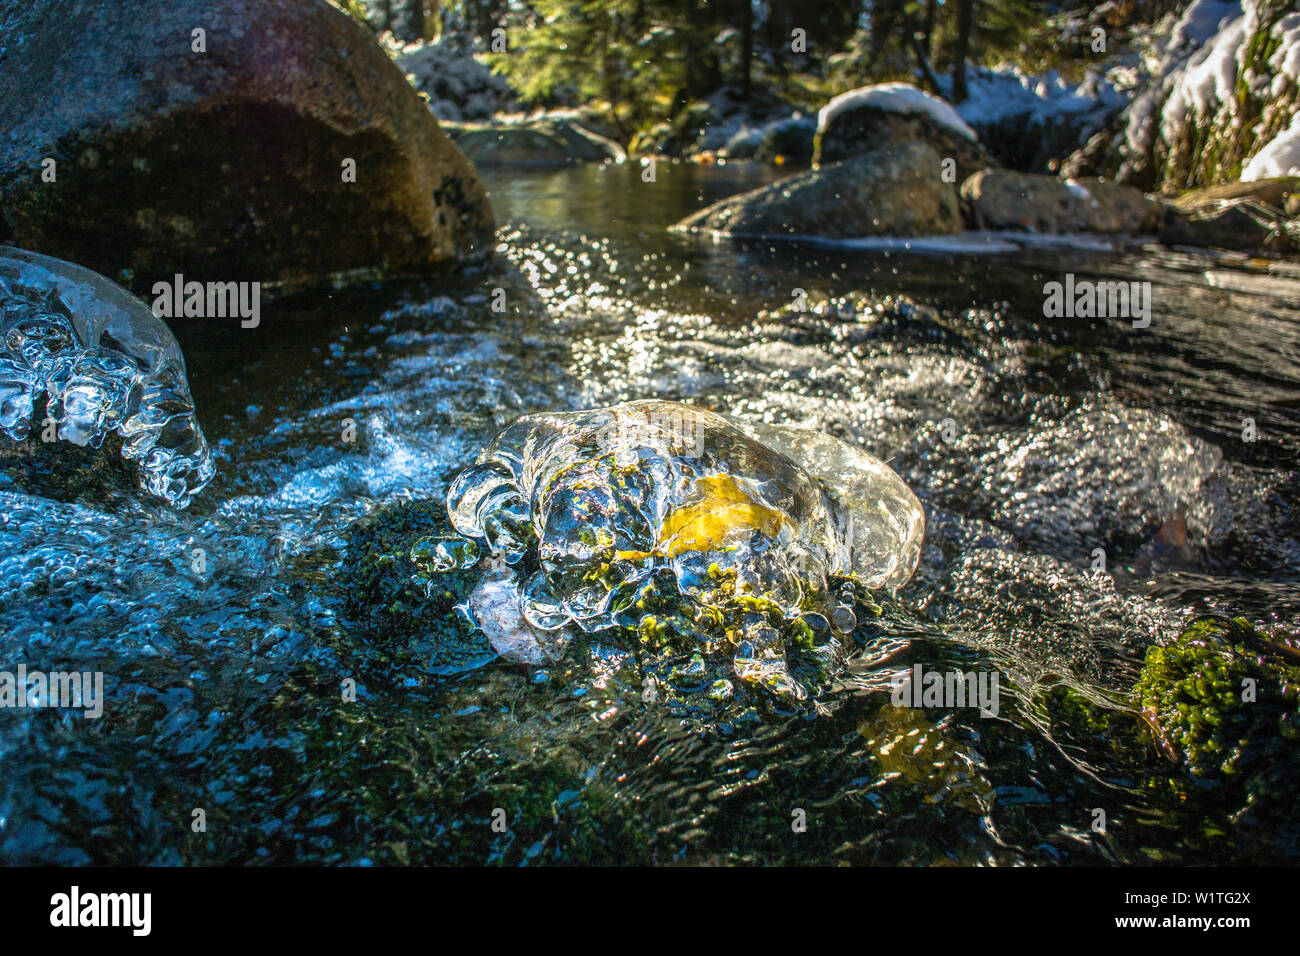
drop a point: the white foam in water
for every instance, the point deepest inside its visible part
(104, 363)
(970, 242)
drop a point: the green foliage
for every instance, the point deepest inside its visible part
(1022, 32)
(1208, 150)
(611, 51)
(645, 61)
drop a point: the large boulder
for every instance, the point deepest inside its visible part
(892, 192)
(873, 117)
(1002, 199)
(229, 163)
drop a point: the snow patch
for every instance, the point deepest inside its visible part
(1002, 93)
(1280, 157)
(459, 87)
(896, 98)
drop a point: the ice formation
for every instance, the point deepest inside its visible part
(587, 513)
(104, 363)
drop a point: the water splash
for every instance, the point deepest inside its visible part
(104, 364)
(611, 517)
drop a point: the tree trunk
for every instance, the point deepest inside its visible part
(703, 75)
(927, 27)
(747, 50)
(426, 19)
(927, 73)
(965, 23)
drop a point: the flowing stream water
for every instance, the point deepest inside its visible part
(233, 635)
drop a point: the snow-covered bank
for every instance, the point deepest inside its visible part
(1222, 83)
(459, 87)
(1032, 122)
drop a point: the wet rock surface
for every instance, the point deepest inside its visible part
(1241, 224)
(1002, 199)
(226, 162)
(891, 192)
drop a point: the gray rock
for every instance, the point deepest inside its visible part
(892, 192)
(225, 164)
(1002, 199)
(866, 129)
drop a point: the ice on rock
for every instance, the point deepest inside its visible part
(591, 510)
(103, 362)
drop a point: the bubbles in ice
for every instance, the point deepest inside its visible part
(689, 527)
(102, 362)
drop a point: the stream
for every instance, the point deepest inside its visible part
(232, 634)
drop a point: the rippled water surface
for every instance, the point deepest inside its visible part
(228, 633)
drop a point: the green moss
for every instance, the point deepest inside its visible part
(388, 600)
(1222, 700)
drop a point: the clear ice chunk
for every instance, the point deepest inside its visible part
(103, 363)
(597, 504)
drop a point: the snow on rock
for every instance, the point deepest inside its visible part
(1030, 121)
(896, 98)
(711, 124)
(1280, 157)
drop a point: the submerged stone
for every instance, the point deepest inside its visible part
(693, 530)
(104, 364)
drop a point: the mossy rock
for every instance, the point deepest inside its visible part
(388, 608)
(1223, 699)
